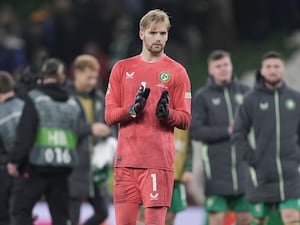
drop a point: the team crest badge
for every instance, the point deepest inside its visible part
(264, 106)
(290, 104)
(164, 77)
(239, 98)
(216, 101)
(98, 105)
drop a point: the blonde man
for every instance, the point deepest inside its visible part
(144, 161)
(82, 182)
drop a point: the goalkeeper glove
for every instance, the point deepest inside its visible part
(162, 110)
(140, 101)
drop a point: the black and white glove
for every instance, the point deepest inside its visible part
(140, 101)
(162, 110)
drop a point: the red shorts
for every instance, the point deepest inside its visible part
(150, 187)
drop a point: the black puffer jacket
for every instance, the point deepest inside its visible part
(272, 118)
(213, 109)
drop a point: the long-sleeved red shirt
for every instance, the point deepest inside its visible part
(146, 141)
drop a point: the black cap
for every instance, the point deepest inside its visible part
(52, 67)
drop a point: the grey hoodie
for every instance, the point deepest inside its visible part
(266, 132)
(213, 109)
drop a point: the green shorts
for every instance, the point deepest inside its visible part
(261, 210)
(178, 202)
(217, 203)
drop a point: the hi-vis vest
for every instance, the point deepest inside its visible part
(56, 138)
(10, 113)
(181, 139)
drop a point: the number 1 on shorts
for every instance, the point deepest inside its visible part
(154, 184)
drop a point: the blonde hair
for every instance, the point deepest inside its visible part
(86, 61)
(155, 16)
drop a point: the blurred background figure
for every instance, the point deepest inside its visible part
(213, 113)
(11, 109)
(44, 153)
(84, 182)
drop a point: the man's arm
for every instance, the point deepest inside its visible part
(200, 129)
(240, 136)
(114, 111)
(25, 134)
(180, 113)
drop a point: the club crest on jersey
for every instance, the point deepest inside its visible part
(164, 77)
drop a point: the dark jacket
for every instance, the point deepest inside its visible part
(267, 130)
(81, 178)
(213, 109)
(10, 113)
(27, 131)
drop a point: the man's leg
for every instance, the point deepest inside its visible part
(155, 215)
(216, 207)
(290, 212)
(26, 192)
(100, 205)
(243, 218)
(126, 213)
(75, 204)
(5, 189)
(178, 203)
(170, 218)
(241, 207)
(141, 216)
(259, 213)
(57, 196)
(216, 218)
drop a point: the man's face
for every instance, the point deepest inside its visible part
(85, 80)
(273, 70)
(155, 38)
(221, 70)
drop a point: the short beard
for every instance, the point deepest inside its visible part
(275, 83)
(155, 52)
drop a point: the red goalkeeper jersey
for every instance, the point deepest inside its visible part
(146, 141)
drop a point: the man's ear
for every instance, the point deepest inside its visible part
(141, 34)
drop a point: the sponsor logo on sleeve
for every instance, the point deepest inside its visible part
(188, 95)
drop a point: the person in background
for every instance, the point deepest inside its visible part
(147, 96)
(83, 182)
(11, 109)
(44, 152)
(213, 111)
(267, 134)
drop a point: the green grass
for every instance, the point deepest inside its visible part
(246, 55)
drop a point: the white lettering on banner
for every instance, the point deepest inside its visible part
(57, 138)
(58, 155)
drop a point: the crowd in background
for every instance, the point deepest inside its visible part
(107, 29)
